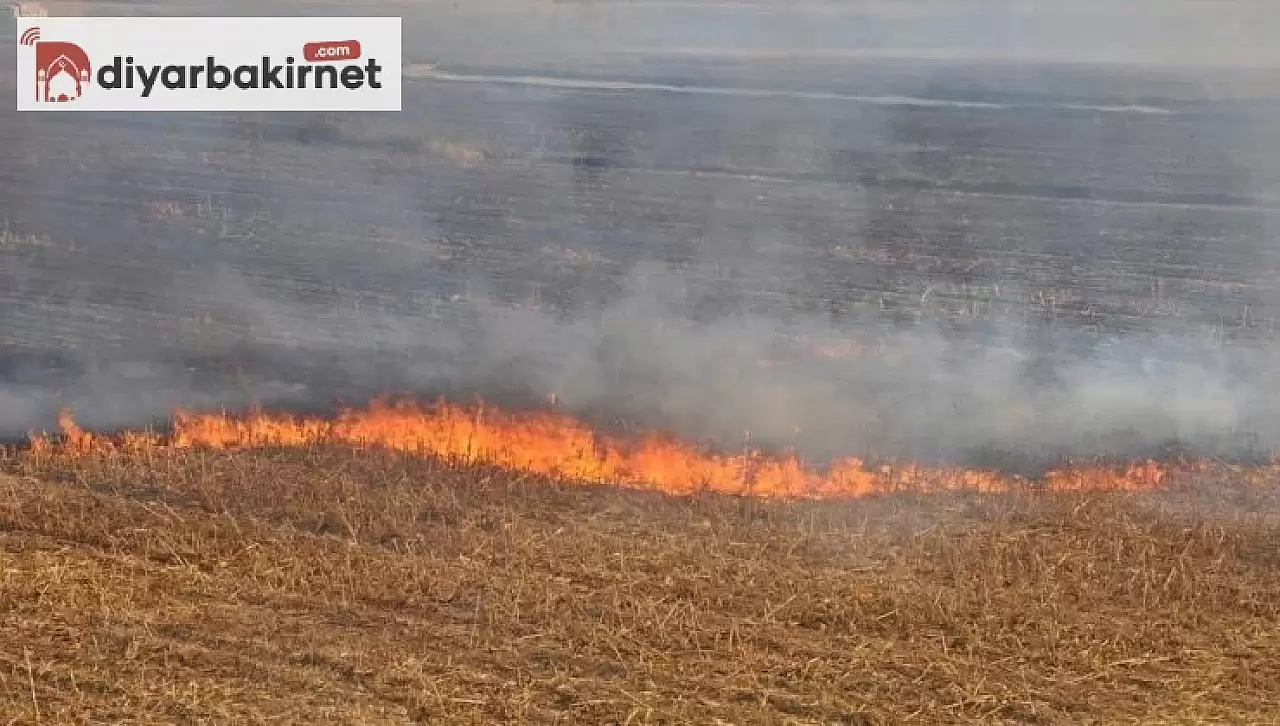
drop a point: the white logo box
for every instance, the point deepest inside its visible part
(208, 64)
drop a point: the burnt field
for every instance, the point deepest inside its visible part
(841, 256)
(825, 381)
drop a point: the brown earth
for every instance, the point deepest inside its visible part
(329, 586)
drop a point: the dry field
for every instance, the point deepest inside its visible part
(554, 153)
(325, 585)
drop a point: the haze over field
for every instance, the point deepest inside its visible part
(979, 231)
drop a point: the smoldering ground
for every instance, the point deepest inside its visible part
(995, 262)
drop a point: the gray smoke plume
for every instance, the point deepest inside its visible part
(991, 232)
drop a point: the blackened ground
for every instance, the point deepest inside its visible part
(206, 259)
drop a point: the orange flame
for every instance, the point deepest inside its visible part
(557, 446)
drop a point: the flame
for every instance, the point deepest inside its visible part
(841, 349)
(557, 446)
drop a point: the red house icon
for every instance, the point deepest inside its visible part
(62, 71)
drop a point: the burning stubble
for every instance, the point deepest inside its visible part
(680, 261)
(559, 447)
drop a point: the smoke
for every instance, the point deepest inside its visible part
(1000, 261)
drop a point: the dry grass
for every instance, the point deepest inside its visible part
(328, 586)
